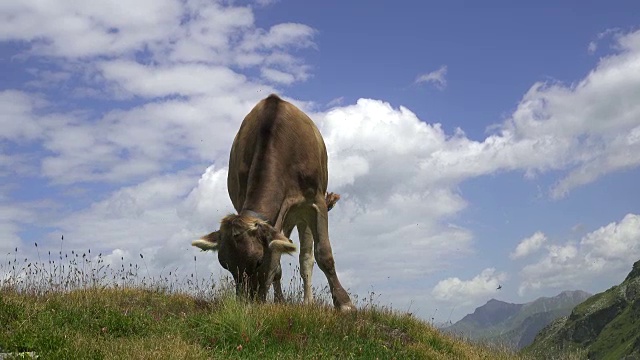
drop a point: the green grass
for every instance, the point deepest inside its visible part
(83, 309)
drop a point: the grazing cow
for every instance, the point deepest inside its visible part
(277, 181)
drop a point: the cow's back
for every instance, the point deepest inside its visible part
(278, 153)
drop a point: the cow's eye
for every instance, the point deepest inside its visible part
(259, 263)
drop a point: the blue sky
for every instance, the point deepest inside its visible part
(473, 146)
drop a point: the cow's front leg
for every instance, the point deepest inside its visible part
(324, 256)
(278, 296)
(270, 275)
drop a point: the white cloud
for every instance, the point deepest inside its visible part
(384, 199)
(61, 28)
(593, 45)
(362, 139)
(176, 57)
(46, 78)
(529, 245)
(277, 76)
(16, 121)
(603, 253)
(335, 102)
(616, 240)
(266, 2)
(151, 218)
(208, 202)
(621, 154)
(11, 217)
(164, 31)
(178, 79)
(590, 128)
(436, 77)
(469, 291)
(182, 31)
(280, 36)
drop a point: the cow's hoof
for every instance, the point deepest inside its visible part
(346, 308)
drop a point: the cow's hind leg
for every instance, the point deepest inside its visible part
(306, 260)
(324, 256)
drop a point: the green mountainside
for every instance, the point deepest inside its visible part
(606, 326)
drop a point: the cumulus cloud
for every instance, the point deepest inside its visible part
(529, 245)
(158, 218)
(159, 81)
(615, 240)
(280, 36)
(593, 126)
(554, 127)
(81, 30)
(17, 122)
(182, 72)
(605, 252)
(469, 291)
(11, 218)
(138, 216)
(208, 202)
(436, 77)
(170, 30)
(277, 76)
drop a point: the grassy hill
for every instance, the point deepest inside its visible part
(145, 324)
(76, 307)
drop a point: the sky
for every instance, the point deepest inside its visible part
(473, 145)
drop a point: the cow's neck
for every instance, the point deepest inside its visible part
(263, 205)
(265, 191)
(255, 214)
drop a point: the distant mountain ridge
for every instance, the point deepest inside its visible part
(515, 325)
(605, 326)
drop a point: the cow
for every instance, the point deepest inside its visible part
(277, 180)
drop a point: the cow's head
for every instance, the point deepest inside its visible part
(250, 249)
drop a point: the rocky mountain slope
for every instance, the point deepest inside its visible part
(606, 326)
(515, 325)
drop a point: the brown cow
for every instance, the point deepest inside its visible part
(277, 181)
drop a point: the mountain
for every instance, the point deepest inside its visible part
(515, 325)
(605, 326)
(486, 321)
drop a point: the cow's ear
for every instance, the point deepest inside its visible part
(208, 242)
(280, 244)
